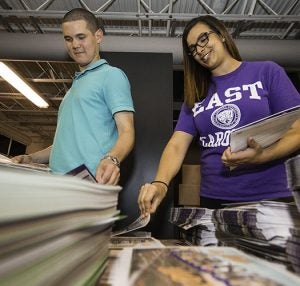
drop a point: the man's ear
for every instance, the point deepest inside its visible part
(99, 36)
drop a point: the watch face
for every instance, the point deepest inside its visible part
(116, 161)
(112, 158)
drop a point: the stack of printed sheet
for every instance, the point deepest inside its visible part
(196, 265)
(195, 224)
(293, 244)
(262, 228)
(54, 230)
(292, 167)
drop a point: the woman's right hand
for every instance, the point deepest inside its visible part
(150, 197)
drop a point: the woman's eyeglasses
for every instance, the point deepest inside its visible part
(202, 41)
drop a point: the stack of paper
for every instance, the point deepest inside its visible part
(265, 131)
(292, 167)
(6, 161)
(293, 244)
(262, 228)
(54, 230)
(196, 225)
(293, 249)
(197, 266)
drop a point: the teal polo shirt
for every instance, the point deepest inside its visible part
(86, 129)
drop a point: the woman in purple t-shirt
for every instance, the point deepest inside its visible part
(222, 93)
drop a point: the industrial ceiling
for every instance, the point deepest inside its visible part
(27, 25)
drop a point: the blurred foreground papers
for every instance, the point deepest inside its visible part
(54, 230)
(197, 266)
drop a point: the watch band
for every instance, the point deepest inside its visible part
(115, 160)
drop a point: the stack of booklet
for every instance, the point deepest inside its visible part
(292, 167)
(195, 224)
(262, 228)
(293, 244)
(293, 249)
(196, 266)
(54, 230)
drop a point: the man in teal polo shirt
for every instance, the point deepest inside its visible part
(95, 119)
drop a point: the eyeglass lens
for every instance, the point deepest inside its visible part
(201, 42)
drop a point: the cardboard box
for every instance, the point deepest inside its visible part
(189, 195)
(191, 174)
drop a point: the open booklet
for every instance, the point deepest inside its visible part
(137, 224)
(265, 131)
(82, 172)
(4, 160)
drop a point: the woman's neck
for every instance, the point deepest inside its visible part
(228, 66)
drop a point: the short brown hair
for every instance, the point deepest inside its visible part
(76, 14)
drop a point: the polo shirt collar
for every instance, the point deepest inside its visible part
(91, 66)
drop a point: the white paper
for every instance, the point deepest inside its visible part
(265, 131)
(138, 223)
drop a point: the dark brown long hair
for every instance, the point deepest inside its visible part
(196, 77)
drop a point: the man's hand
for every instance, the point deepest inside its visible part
(107, 172)
(22, 159)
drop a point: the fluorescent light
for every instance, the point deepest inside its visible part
(11, 77)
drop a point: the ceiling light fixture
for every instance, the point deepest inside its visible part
(10, 76)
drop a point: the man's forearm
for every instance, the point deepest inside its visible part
(123, 146)
(41, 156)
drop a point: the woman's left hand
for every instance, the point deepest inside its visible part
(251, 155)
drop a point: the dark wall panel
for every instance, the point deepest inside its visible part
(151, 78)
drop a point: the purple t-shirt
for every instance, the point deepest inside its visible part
(251, 92)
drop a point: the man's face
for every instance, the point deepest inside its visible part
(81, 44)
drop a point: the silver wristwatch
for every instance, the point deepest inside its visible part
(115, 160)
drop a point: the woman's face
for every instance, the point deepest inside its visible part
(206, 47)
